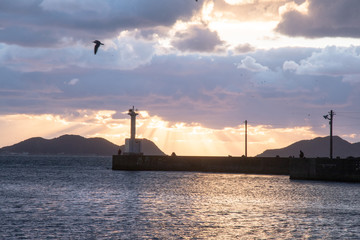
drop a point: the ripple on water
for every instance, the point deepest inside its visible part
(81, 198)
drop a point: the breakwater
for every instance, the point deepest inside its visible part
(344, 170)
(249, 165)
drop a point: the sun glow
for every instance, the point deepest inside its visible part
(207, 10)
(261, 33)
(291, 6)
(181, 138)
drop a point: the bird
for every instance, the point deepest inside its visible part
(97, 45)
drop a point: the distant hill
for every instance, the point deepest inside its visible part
(317, 147)
(75, 145)
(148, 148)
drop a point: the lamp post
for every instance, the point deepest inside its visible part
(330, 117)
(245, 138)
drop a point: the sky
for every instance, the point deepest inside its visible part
(194, 70)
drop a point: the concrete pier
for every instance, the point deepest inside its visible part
(251, 165)
(344, 170)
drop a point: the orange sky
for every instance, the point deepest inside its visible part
(181, 138)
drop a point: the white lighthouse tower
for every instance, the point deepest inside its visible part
(132, 145)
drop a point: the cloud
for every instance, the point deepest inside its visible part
(185, 88)
(330, 61)
(355, 79)
(244, 48)
(125, 52)
(73, 81)
(290, 66)
(322, 19)
(198, 39)
(249, 10)
(168, 58)
(74, 7)
(48, 23)
(249, 63)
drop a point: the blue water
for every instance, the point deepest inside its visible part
(62, 197)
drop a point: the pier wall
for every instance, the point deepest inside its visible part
(345, 170)
(250, 165)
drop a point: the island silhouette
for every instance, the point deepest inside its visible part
(317, 147)
(74, 145)
(78, 145)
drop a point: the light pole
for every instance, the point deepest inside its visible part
(245, 138)
(330, 117)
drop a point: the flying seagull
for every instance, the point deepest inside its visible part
(97, 45)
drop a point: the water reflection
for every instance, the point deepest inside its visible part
(60, 198)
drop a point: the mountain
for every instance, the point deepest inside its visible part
(148, 148)
(75, 145)
(317, 147)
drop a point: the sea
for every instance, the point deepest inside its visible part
(75, 197)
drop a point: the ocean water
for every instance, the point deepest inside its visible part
(71, 197)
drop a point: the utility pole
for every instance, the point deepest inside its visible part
(330, 117)
(245, 138)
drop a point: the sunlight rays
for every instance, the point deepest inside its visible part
(179, 137)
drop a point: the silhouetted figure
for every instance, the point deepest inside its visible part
(97, 45)
(301, 155)
(119, 151)
(173, 154)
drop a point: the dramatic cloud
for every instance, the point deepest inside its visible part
(200, 69)
(55, 22)
(183, 88)
(322, 19)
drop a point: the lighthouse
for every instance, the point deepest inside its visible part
(132, 145)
